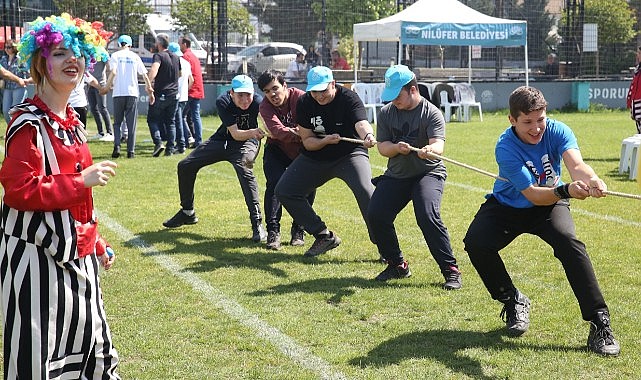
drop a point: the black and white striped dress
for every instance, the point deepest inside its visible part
(54, 319)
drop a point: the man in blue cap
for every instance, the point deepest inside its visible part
(410, 121)
(325, 114)
(236, 141)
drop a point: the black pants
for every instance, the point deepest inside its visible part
(495, 226)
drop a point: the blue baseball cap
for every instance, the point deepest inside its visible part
(124, 39)
(318, 78)
(175, 48)
(242, 83)
(396, 77)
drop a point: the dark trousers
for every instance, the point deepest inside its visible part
(241, 154)
(305, 175)
(390, 198)
(161, 120)
(98, 108)
(275, 162)
(82, 115)
(495, 226)
(125, 108)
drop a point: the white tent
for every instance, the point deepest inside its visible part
(443, 22)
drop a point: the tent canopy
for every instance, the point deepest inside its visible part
(443, 22)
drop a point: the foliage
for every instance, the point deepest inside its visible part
(539, 22)
(341, 15)
(195, 15)
(108, 12)
(614, 18)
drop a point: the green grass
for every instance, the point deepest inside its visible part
(198, 302)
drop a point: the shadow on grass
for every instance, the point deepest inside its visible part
(619, 176)
(447, 347)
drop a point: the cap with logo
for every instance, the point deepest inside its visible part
(396, 77)
(242, 83)
(318, 78)
(175, 48)
(124, 39)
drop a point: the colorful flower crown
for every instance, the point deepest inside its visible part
(83, 38)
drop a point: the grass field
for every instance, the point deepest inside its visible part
(204, 302)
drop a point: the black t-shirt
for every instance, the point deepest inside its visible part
(166, 81)
(230, 114)
(339, 116)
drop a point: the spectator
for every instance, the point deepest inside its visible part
(237, 141)
(552, 65)
(196, 91)
(126, 66)
(297, 68)
(163, 73)
(98, 103)
(15, 90)
(278, 110)
(633, 101)
(312, 58)
(185, 81)
(78, 97)
(338, 62)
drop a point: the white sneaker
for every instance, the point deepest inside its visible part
(97, 136)
(107, 137)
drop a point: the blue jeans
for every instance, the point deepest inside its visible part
(193, 106)
(182, 131)
(11, 97)
(161, 121)
(390, 198)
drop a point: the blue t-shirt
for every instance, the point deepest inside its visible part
(524, 164)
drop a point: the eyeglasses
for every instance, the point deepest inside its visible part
(8, 46)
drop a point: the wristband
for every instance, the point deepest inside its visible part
(563, 191)
(367, 134)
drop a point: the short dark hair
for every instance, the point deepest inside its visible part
(163, 40)
(525, 100)
(186, 41)
(268, 76)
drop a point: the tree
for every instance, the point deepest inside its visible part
(194, 16)
(108, 12)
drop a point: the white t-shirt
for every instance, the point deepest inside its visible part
(128, 66)
(296, 69)
(183, 81)
(78, 97)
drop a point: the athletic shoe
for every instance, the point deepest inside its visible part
(516, 314)
(601, 339)
(107, 137)
(180, 219)
(394, 271)
(190, 142)
(169, 152)
(298, 237)
(452, 279)
(131, 155)
(97, 136)
(158, 149)
(273, 240)
(258, 233)
(322, 244)
(116, 152)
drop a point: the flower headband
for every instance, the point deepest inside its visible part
(85, 39)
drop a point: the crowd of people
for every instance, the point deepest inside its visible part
(312, 137)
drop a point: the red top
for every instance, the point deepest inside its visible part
(197, 89)
(280, 122)
(341, 64)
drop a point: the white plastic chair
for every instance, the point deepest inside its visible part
(629, 155)
(447, 106)
(370, 94)
(468, 100)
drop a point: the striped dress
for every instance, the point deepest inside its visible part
(54, 323)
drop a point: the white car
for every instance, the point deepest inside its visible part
(265, 56)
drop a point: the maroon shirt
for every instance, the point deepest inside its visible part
(281, 121)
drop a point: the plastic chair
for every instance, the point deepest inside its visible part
(370, 95)
(468, 100)
(447, 106)
(629, 155)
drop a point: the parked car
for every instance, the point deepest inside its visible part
(265, 56)
(232, 49)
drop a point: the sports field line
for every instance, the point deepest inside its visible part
(284, 343)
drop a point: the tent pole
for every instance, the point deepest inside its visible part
(356, 60)
(527, 71)
(469, 64)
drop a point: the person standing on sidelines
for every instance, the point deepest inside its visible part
(633, 101)
(534, 200)
(278, 110)
(196, 91)
(326, 113)
(237, 141)
(185, 81)
(15, 87)
(409, 120)
(126, 66)
(98, 103)
(54, 321)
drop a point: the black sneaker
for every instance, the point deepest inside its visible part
(131, 155)
(601, 339)
(452, 279)
(116, 152)
(516, 314)
(258, 233)
(322, 244)
(298, 237)
(169, 152)
(394, 271)
(273, 240)
(158, 149)
(180, 219)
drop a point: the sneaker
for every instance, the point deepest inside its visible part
(298, 237)
(258, 233)
(190, 142)
(516, 314)
(107, 137)
(97, 136)
(158, 149)
(273, 240)
(394, 271)
(116, 152)
(131, 155)
(322, 244)
(180, 219)
(601, 339)
(169, 152)
(452, 279)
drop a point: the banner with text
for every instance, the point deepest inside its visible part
(430, 33)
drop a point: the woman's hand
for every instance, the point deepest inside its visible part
(98, 174)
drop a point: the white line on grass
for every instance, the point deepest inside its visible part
(284, 343)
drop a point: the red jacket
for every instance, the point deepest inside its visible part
(634, 93)
(196, 90)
